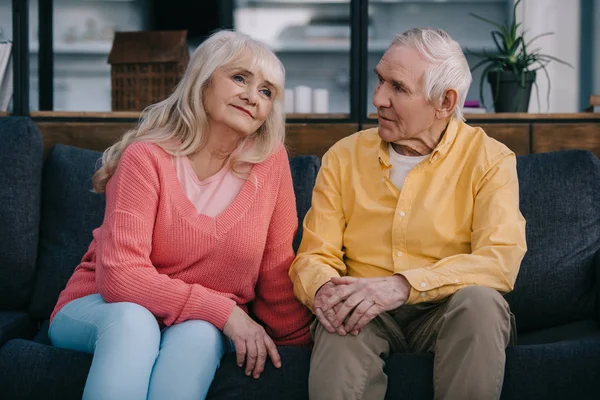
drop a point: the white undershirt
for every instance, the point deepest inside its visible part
(401, 166)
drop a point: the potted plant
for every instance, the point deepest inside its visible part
(511, 69)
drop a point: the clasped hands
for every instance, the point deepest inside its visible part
(346, 304)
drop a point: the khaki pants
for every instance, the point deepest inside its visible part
(468, 335)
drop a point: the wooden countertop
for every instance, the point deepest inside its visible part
(525, 116)
(319, 118)
(136, 115)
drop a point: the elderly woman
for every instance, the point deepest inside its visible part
(198, 229)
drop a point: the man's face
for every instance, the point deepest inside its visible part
(402, 109)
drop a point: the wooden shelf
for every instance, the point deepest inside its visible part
(86, 114)
(524, 133)
(135, 115)
(525, 116)
(334, 116)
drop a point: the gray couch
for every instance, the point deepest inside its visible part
(47, 214)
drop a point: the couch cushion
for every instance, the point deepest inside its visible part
(70, 212)
(559, 198)
(564, 370)
(15, 324)
(304, 174)
(584, 329)
(21, 154)
(30, 370)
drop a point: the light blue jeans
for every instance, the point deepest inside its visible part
(133, 359)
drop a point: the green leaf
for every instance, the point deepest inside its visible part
(545, 56)
(481, 82)
(489, 21)
(497, 36)
(536, 37)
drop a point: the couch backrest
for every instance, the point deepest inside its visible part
(560, 200)
(21, 152)
(70, 211)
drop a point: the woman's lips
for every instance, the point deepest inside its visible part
(244, 110)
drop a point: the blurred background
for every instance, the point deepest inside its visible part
(312, 38)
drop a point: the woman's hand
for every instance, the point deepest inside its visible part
(251, 343)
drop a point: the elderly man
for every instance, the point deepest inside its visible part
(413, 235)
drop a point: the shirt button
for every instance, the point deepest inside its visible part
(402, 213)
(456, 281)
(423, 284)
(422, 294)
(399, 254)
(382, 179)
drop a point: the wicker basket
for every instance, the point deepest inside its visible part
(145, 67)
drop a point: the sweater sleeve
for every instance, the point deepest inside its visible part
(285, 319)
(124, 271)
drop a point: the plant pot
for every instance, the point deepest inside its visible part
(508, 94)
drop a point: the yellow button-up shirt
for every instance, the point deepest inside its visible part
(455, 222)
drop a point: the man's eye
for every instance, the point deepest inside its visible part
(380, 80)
(398, 88)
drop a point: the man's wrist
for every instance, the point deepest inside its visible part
(321, 287)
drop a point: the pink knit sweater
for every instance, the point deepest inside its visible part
(155, 250)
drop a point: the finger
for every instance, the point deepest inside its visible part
(358, 313)
(240, 352)
(251, 356)
(335, 322)
(343, 280)
(367, 317)
(273, 353)
(350, 304)
(324, 321)
(337, 307)
(340, 293)
(261, 359)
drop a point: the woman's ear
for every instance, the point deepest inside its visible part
(449, 102)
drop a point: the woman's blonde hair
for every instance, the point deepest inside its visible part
(179, 124)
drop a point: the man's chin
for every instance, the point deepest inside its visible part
(385, 134)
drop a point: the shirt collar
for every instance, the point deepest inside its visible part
(440, 150)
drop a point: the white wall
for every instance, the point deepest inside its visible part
(563, 18)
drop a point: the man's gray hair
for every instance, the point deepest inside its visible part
(449, 68)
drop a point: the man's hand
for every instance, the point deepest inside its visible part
(363, 299)
(327, 317)
(252, 344)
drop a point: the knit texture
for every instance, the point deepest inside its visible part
(155, 250)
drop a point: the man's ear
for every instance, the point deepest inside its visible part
(449, 102)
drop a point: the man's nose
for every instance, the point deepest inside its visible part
(380, 97)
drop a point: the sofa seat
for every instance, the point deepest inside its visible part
(565, 367)
(15, 324)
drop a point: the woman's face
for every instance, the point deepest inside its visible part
(238, 98)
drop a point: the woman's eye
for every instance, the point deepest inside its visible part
(238, 78)
(266, 92)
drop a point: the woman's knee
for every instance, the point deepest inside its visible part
(196, 334)
(132, 320)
